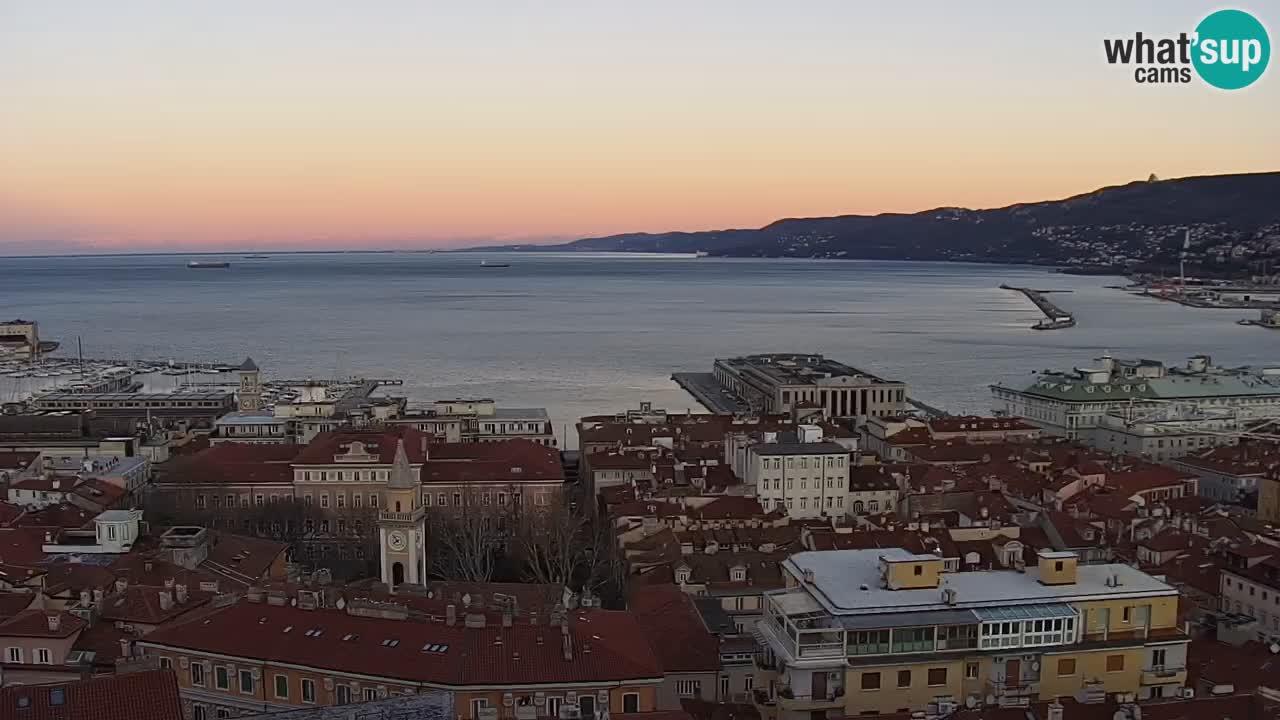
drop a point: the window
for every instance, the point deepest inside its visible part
(971, 671)
(904, 678)
(1124, 614)
(246, 682)
(918, 570)
(308, 690)
(907, 640)
(197, 674)
(689, 688)
(282, 686)
(342, 499)
(222, 713)
(1158, 658)
(199, 712)
(440, 499)
(13, 654)
(324, 500)
(869, 642)
(748, 683)
(370, 694)
(373, 500)
(631, 702)
(870, 681)
(165, 663)
(1066, 666)
(44, 656)
(344, 694)
(937, 676)
(221, 678)
(1115, 663)
(457, 499)
(958, 637)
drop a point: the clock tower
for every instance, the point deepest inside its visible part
(402, 525)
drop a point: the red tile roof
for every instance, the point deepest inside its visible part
(150, 695)
(675, 629)
(508, 461)
(231, 463)
(58, 517)
(36, 623)
(379, 443)
(12, 603)
(17, 460)
(607, 646)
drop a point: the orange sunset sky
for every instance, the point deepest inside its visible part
(236, 125)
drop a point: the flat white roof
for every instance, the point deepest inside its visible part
(847, 582)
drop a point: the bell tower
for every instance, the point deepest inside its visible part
(250, 395)
(402, 525)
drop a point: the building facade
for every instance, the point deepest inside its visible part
(799, 473)
(1072, 403)
(780, 383)
(885, 631)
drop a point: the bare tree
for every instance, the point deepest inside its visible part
(466, 539)
(558, 546)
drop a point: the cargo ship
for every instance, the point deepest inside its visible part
(208, 264)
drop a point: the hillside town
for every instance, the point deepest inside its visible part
(818, 545)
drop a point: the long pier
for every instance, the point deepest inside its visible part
(1055, 318)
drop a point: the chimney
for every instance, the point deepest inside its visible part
(1055, 711)
(451, 614)
(567, 643)
(122, 584)
(148, 565)
(166, 600)
(506, 619)
(54, 622)
(85, 598)
(182, 594)
(168, 583)
(48, 537)
(126, 649)
(97, 596)
(533, 617)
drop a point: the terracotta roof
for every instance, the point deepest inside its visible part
(233, 463)
(150, 695)
(21, 545)
(141, 604)
(36, 623)
(12, 603)
(1247, 667)
(59, 517)
(379, 443)
(99, 492)
(1152, 477)
(511, 461)
(727, 508)
(17, 460)
(975, 423)
(606, 646)
(675, 629)
(618, 461)
(240, 558)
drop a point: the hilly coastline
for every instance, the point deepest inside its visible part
(1233, 220)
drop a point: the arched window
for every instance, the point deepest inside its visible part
(857, 506)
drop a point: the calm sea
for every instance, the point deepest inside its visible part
(583, 334)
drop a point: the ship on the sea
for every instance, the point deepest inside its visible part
(198, 264)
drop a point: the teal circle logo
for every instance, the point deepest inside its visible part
(1232, 49)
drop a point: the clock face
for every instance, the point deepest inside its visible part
(396, 540)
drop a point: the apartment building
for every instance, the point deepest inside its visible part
(782, 382)
(798, 472)
(271, 652)
(1254, 591)
(886, 630)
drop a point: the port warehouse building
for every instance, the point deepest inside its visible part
(213, 401)
(779, 383)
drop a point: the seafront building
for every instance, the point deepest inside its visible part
(782, 383)
(1073, 403)
(886, 630)
(800, 473)
(479, 420)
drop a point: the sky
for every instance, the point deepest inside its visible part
(153, 126)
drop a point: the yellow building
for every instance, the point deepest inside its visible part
(881, 631)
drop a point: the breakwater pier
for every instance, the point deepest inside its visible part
(1055, 318)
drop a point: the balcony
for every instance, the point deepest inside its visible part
(1164, 675)
(833, 700)
(400, 516)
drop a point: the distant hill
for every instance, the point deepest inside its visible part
(1134, 225)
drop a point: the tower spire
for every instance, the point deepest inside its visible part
(401, 471)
